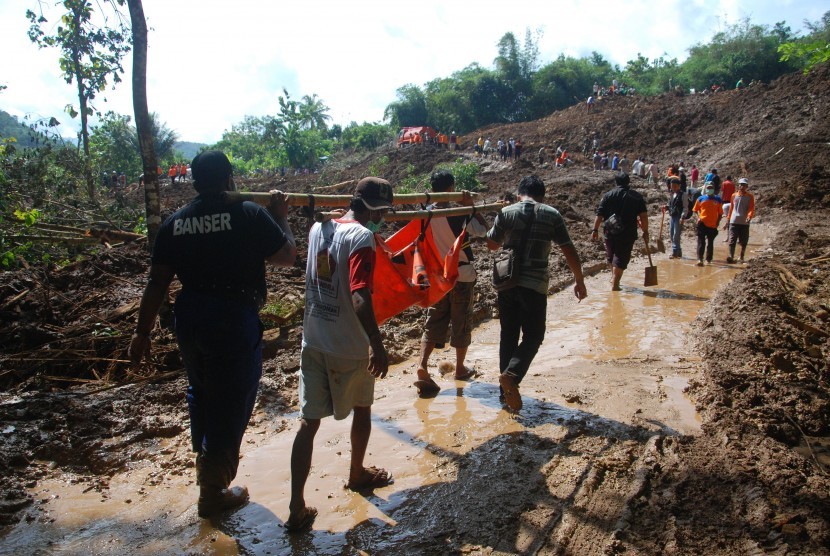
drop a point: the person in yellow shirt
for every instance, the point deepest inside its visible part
(709, 210)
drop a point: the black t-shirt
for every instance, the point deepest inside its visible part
(626, 204)
(217, 246)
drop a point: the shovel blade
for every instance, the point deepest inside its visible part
(651, 276)
(661, 246)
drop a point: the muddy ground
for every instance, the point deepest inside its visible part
(754, 480)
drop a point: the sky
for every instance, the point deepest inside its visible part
(211, 63)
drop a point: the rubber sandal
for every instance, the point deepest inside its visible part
(374, 477)
(427, 388)
(307, 517)
(467, 374)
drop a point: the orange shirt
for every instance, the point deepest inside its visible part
(173, 171)
(709, 209)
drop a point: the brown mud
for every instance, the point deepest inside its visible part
(752, 479)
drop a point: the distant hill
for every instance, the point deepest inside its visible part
(188, 149)
(10, 127)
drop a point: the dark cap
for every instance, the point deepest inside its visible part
(376, 193)
(622, 179)
(211, 170)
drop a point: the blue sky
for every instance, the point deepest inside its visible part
(213, 62)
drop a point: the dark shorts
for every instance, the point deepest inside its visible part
(618, 250)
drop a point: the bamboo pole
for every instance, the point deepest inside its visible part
(420, 214)
(302, 199)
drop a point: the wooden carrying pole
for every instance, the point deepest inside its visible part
(420, 214)
(302, 199)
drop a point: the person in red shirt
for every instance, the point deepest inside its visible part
(172, 173)
(695, 175)
(726, 192)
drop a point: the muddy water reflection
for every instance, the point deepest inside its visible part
(615, 360)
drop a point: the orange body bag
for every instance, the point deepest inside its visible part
(409, 270)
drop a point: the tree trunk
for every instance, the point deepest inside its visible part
(142, 120)
(84, 107)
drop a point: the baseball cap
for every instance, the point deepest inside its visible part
(709, 186)
(376, 193)
(743, 181)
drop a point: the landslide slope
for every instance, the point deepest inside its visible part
(753, 482)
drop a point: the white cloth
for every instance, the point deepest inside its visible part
(330, 324)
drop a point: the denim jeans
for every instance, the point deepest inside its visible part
(675, 233)
(221, 345)
(521, 311)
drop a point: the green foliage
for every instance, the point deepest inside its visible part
(28, 217)
(519, 88)
(297, 137)
(90, 55)
(811, 50)
(411, 182)
(114, 145)
(366, 136)
(466, 174)
(21, 133)
(377, 166)
(743, 51)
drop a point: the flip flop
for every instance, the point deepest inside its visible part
(427, 388)
(303, 522)
(374, 477)
(467, 374)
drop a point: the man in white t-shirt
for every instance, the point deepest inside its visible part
(342, 349)
(454, 310)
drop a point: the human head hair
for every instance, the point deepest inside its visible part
(211, 171)
(442, 180)
(357, 206)
(622, 179)
(532, 186)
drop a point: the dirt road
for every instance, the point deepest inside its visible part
(604, 394)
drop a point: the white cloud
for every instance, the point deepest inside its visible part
(213, 62)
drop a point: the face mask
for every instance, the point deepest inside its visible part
(373, 226)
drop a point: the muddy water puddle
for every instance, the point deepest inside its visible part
(616, 360)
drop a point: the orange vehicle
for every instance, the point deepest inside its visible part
(406, 136)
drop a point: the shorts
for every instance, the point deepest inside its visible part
(452, 310)
(331, 385)
(618, 250)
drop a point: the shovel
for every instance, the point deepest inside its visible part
(651, 270)
(660, 245)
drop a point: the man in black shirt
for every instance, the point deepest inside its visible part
(627, 208)
(218, 251)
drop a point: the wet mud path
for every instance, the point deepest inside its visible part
(604, 393)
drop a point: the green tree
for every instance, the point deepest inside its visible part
(410, 108)
(313, 112)
(90, 56)
(809, 51)
(113, 146)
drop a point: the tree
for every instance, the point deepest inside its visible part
(811, 50)
(90, 56)
(313, 112)
(113, 146)
(409, 110)
(163, 137)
